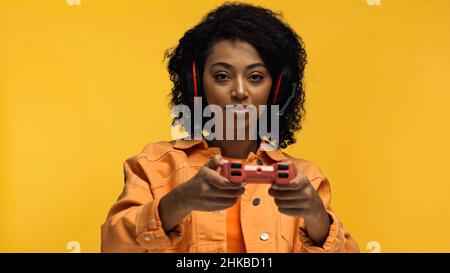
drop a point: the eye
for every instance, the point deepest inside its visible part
(221, 77)
(256, 78)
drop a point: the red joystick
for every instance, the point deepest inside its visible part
(238, 172)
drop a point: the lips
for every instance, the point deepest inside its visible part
(239, 109)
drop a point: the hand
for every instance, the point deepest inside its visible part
(299, 198)
(208, 190)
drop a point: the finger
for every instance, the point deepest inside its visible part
(284, 194)
(298, 183)
(215, 162)
(300, 175)
(290, 204)
(220, 201)
(215, 179)
(294, 185)
(292, 212)
(228, 193)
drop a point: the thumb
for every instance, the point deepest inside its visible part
(216, 162)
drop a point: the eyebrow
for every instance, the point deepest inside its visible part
(229, 66)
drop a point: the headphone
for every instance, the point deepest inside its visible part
(280, 94)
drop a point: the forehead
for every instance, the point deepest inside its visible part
(233, 52)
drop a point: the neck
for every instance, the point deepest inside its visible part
(235, 148)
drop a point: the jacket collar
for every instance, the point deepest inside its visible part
(265, 147)
(183, 144)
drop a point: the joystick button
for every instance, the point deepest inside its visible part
(236, 165)
(283, 175)
(236, 173)
(283, 167)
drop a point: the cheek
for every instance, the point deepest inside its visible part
(215, 94)
(260, 97)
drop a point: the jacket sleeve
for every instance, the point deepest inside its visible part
(338, 239)
(133, 223)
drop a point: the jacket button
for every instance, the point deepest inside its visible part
(256, 201)
(264, 236)
(259, 162)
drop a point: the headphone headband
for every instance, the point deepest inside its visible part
(280, 77)
(194, 77)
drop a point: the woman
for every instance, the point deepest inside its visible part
(175, 199)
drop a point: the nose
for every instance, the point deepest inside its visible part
(239, 91)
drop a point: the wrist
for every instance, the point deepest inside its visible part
(320, 216)
(172, 209)
(318, 227)
(180, 200)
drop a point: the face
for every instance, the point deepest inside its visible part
(235, 74)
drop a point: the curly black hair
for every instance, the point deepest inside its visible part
(276, 42)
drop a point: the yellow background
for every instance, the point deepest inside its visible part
(84, 87)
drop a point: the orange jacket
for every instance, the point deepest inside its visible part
(133, 223)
